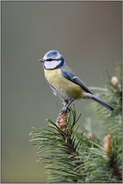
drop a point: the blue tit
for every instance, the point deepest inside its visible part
(64, 82)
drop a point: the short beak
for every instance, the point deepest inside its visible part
(41, 60)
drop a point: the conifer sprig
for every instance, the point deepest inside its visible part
(59, 149)
(75, 156)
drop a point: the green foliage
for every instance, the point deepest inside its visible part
(79, 157)
(59, 154)
(107, 123)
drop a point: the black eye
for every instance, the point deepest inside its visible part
(50, 59)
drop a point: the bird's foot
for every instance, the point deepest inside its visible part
(66, 108)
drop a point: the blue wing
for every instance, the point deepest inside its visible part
(69, 74)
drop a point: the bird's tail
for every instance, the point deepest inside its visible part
(100, 101)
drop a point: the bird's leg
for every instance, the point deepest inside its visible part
(66, 105)
(64, 111)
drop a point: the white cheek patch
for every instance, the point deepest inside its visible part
(52, 64)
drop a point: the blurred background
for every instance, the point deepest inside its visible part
(88, 35)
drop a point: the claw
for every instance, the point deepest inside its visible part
(66, 108)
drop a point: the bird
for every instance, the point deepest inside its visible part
(64, 82)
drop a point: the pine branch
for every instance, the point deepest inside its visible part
(59, 146)
(110, 125)
(75, 156)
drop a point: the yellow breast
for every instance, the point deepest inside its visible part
(64, 85)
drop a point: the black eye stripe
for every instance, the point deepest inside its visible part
(51, 59)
